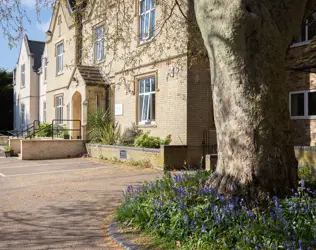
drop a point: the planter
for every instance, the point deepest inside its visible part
(8, 153)
(66, 137)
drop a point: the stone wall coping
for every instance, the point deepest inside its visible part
(174, 146)
(308, 148)
(50, 140)
(154, 150)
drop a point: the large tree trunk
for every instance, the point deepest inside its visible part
(246, 43)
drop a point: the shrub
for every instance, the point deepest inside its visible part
(146, 141)
(44, 130)
(143, 163)
(102, 128)
(306, 173)
(129, 135)
(7, 148)
(181, 210)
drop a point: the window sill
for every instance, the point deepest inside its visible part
(152, 125)
(60, 73)
(303, 117)
(99, 62)
(141, 43)
(22, 87)
(300, 44)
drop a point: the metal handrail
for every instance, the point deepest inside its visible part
(35, 131)
(64, 129)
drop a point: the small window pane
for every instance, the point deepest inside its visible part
(141, 87)
(153, 102)
(312, 103)
(148, 7)
(143, 27)
(60, 49)
(141, 100)
(152, 22)
(153, 85)
(142, 6)
(297, 104)
(147, 85)
(145, 108)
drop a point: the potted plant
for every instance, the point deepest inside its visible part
(66, 135)
(8, 151)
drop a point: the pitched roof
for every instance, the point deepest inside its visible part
(307, 61)
(91, 75)
(36, 49)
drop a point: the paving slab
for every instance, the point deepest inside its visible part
(61, 204)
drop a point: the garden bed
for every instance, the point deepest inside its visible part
(181, 211)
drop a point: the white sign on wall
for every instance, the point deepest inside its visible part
(118, 109)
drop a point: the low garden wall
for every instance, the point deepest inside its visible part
(306, 156)
(51, 149)
(15, 144)
(4, 140)
(166, 156)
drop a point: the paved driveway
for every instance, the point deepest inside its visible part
(60, 204)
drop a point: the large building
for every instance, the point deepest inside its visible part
(27, 84)
(152, 75)
(301, 64)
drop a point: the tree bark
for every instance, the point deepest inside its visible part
(247, 42)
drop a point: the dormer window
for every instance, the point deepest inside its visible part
(74, 3)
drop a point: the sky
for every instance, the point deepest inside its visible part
(34, 30)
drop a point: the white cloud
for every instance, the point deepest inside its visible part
(43, 26)
(29, 3)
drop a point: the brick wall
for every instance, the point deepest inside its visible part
(304, 130)
(171, 98)
(51, 149)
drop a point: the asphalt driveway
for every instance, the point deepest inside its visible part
(61, 204)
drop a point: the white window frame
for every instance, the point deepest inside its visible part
(305, 116)
(99, 45)
(22, 75)
(60, 59)
(22, 114)
(44, 112)
(141, 119)
(151, 22)
(59, 109)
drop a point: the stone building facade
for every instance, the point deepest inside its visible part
(147, 76)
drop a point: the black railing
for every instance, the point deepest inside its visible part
(28, 129)
(55, 129)
(60, 129)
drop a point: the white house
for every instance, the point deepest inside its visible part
(42, 88)
(26, 83)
